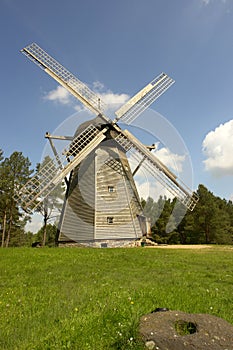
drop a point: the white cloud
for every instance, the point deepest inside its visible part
(60, 94)
(171, 160)
(149, 186)
(152, 188)
(218, 149)
(35, 224)
(111, 99)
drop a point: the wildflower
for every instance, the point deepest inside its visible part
(76, 309)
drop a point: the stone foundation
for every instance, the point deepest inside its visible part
(100, 244)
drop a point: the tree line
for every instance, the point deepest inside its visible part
(210, 222)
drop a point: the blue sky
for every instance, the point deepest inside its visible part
(117, 47)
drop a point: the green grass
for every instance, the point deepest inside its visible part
(93, 298)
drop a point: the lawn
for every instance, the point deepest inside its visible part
(75, 298)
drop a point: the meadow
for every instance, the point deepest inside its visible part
(76, 298)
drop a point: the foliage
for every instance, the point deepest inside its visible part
(51, 232)
(14, 172)
(51, 206)
(93, 298)
(211, 221)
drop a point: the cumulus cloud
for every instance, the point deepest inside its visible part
(218, 149)
(147, 185)
(35, 224)
(60, 94)
(172, 160)
(111, 99)
(151, 188)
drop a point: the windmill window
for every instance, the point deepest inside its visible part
(111, 189)
(110, 219)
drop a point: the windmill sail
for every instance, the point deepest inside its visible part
(50, 175)
(64, 77)
(157, 169)
(144, 98)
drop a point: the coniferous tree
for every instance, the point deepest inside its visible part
(14, 172)
(51, 231)
(211, 221)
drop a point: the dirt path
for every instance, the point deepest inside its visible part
(190, 246)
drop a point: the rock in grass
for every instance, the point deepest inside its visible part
(176, 330)
(150, 345)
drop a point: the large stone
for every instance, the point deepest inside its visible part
(176, 330)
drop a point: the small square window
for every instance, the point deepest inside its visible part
(110, 220)
(111, 189)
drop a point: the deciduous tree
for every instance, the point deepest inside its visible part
(51, 205)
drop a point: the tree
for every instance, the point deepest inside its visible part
(14, 173)
(160, 230)
(211, 221)
(1, 155)
(51, 231)
(222, 222)
(51, 205)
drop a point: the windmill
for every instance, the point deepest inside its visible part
(101, 201)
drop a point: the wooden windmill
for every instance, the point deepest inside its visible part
(101, 201)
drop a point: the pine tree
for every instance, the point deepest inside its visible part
(14, 172)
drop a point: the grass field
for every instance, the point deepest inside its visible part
(74, 298)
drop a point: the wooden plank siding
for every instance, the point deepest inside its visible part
(77, 219)
(122, 204)
(90, 203)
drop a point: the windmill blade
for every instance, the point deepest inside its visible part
(64, 77)
(157, 169)
(51, 174)
(143, 99)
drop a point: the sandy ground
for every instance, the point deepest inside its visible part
(188, 246)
